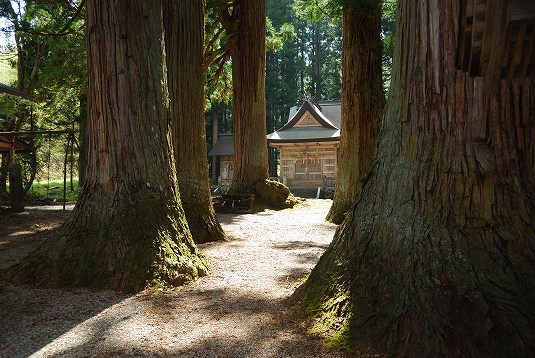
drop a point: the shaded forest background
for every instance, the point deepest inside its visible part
(43, 53)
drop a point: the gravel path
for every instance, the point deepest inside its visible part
(239, 310)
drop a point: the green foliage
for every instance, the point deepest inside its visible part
(47, 58)
(8, 74)
(276, 39)
(321, 10)
(53, 190)
(317, 10)
(388, 24)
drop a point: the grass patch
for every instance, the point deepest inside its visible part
(53, 191)
(8, 74)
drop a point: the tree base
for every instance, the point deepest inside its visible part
(144, 242)
(374, 287)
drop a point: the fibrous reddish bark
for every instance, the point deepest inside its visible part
(247, 25)
(128, 228)
(184, 39)
(436, 257)
(362, 102)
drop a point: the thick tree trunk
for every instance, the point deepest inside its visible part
(362, 103)
(184, 39)
(249, 96)
(128, 228)
(82, 158)
(436, 257)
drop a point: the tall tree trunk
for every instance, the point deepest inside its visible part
(249, 95)
(184, 39)
(436, 257)
(84, 149)
(362, 103)
(317, 61)
(128, 228)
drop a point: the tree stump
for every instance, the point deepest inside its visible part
(16, 191)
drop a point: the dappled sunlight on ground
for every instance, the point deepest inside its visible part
(240, 309)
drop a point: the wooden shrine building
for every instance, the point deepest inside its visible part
(497, 39)
(223, 151)
(308, 143)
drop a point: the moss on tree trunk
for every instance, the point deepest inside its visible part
(436, 257)
(135, 239)
(275, 194)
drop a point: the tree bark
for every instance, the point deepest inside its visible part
(128, 229)
(317, 61)
(248, 53)
(184, 38)
(362, 103)
(436, 257)
(83, 150)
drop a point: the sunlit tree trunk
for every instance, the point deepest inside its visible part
(128, 229)
(436, 257)
(248, 51)
(362, 102)
(184, 39)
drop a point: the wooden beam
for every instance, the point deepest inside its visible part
(517, 52)
(492, 34)
(15, 92)
(520, 11)
(464, 36)
(496, 48)
(529, 54)
(34, 133)
(5, 145)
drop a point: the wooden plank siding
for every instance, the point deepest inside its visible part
(496, 39)
(307, 162)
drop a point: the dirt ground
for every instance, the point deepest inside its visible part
(240, 309)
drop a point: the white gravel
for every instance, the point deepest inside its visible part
(239, 310)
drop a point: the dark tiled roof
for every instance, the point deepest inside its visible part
(304, 134)
(314, 111)
(326, 131)
(224, 146)
(332, 110)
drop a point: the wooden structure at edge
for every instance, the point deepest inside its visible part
(308, 143)
(496, 39)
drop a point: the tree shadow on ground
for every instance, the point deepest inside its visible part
(229, 219)
(23, 232)
(304, 255)
(191, 321)
(52, 313)
(213, 323)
